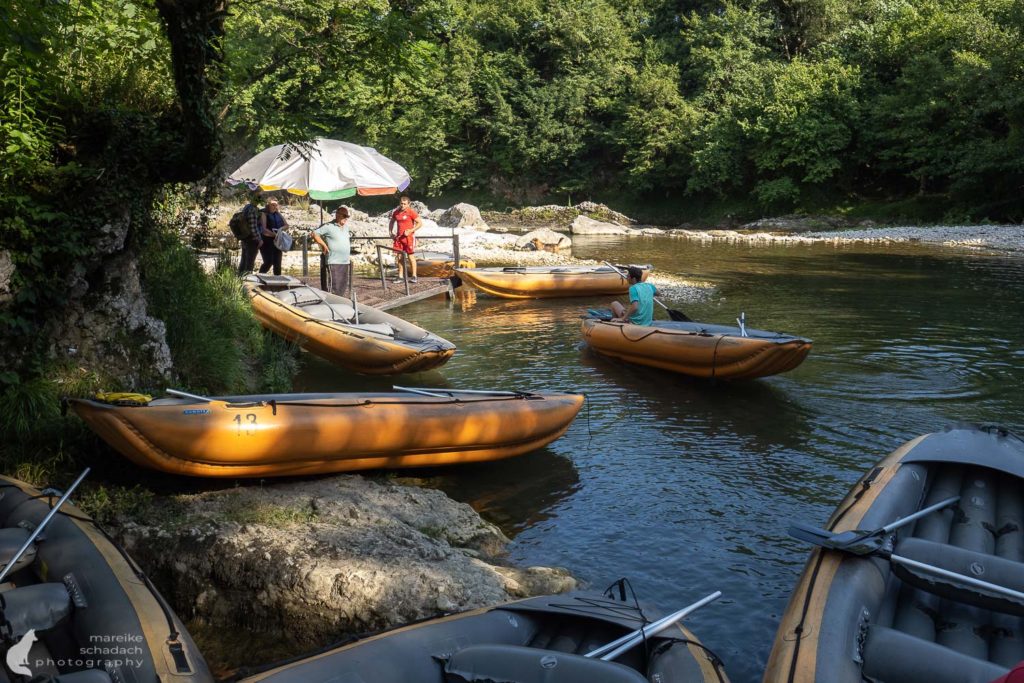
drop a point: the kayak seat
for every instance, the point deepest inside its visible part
(299, 296)
(981, 566)
(11, 540)
(38, 607)
(892, 656)
(378, 328)
(517, 664)
(332, 312)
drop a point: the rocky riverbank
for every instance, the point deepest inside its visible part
(300, 564)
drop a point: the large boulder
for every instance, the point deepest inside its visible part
(462, 216)
(588, 226)
(543, 239)
(305, 563)
(603, 213)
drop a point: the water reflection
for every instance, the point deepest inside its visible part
(515, 494)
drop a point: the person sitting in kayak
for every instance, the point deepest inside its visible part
(641, 301)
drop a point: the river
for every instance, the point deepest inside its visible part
(686, 487)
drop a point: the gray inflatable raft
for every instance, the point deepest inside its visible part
(939, 599)
(76, 609)
(540, 640)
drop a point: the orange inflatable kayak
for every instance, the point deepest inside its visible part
(438, 264)
(372, 342)
(698, 349)
(293, 434)
(544, 282)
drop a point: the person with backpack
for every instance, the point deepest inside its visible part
(245, 225)
(271, 223)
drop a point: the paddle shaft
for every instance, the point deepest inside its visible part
(892, 526)
(963, 578)
(42, 525)
(185, 394)
(615, 648)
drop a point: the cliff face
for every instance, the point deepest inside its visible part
(303, 564)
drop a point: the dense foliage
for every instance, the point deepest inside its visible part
(793, 103)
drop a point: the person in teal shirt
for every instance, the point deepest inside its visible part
(641, 301)
(334, 240)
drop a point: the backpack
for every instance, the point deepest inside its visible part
(239, 225)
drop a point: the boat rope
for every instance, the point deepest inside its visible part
(715, 660)
(274, 404)
(714, 356)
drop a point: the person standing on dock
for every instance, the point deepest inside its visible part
(250, 245)
(641, 301)
(408, 222)
(271, 223)
(334, 240)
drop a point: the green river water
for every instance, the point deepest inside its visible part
(687, 487)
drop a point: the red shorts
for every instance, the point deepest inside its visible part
(405, 242)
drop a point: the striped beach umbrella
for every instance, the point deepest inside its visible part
(324, 170)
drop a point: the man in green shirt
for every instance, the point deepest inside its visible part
(641, 301)
(334, 240)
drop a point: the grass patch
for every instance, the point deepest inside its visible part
(216, 343)
(245, 510)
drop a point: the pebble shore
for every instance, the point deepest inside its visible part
(999, 238)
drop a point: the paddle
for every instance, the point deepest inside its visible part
(673, 314)
(615, 648)
(42, 525)
(860, 542)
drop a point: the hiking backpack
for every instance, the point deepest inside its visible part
(239, 225)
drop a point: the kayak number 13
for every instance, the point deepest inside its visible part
(249, 423)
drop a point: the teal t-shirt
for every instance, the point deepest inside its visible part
(337, 238)
(643, 294)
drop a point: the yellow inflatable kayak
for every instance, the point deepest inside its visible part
(438, 264)
(544, 282)
(372, 342)
(697, 349)
(292, 434)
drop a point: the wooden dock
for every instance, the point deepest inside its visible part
(368, 290)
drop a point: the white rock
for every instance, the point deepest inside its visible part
(463, 216)
(543, 238)
(588, 226)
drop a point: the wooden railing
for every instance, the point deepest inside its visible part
(454, 239)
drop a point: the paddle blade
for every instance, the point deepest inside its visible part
(810, 534)
(679, 316)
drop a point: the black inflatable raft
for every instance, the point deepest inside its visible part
(540, 640)
(937, 599)
(76, 609)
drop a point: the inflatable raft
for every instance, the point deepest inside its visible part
(540, 640)
(372, 343)
(931, 587)
(439, 264)
(697, 349)
(292, 434)
(544, 282)
(76, 606)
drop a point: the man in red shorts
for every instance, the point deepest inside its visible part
(408, 222)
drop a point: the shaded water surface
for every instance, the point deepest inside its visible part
(687, 487)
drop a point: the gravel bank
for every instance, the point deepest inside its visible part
(1000, 238)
